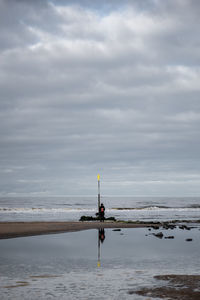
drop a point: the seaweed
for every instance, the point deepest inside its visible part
(90, 218)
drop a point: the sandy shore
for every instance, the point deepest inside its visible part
(179, 287)
(19, 229)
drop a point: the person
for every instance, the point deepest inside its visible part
(102, 212)
(101, 235)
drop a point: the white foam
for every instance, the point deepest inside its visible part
(42, 210)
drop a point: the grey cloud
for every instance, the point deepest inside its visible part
(89, 87)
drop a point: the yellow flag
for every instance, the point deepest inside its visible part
(98, 177)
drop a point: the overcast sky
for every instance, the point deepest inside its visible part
(109, 87)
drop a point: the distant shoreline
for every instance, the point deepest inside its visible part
(22, 229)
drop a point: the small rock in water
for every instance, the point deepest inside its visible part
(188, 240)
(158, 235)
(168, 226)
(155, 227)
(184, 227)
(169, 237)
(187, 228)
(171, 226)
(117, 229)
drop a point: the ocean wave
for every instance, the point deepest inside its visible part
(79, 209)
(158, 208)
(42, 210)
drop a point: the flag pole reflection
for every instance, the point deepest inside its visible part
(101, 238)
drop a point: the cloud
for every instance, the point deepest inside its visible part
(90, 87)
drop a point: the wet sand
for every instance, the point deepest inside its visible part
(179, 287)
(20, 229)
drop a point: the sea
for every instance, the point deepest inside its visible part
(65, 208)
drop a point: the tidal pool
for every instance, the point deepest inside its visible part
(94, 264)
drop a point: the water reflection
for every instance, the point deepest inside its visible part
(101, 238)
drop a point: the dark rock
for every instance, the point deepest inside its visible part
(188, 240)
(169, 237)
(158, 235)
(117, 229)
(155, 227)
(149, 229)
(168, 226)
(187, 228)
(165, 227)
(171, 226)
(184, 227)
(90, 218)
(110, 219)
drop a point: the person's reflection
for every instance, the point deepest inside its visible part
(100, 240)
(101, 234)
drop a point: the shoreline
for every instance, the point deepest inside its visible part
(22, 229)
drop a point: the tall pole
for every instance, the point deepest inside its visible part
(98, 178)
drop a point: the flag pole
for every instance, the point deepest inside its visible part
(98, 178)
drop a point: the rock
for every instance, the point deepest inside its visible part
(110, 219)
(188, 240)
(87, 218)
(117, 229)
(155, 227)
(168, 226)
(184, 227)
(169, 237)
(158, 235)
(187, 228)
(90, 218)
(171, 226)
(165, 227)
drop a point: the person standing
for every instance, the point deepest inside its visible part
(102, 212)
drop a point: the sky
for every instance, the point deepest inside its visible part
(109, 87)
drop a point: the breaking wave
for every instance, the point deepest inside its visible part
(42, 210)
(159, 208)
(78, 209)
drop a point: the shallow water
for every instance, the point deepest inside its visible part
(64, 266)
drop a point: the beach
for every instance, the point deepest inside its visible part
(151, 251)
(19, 229)
(131, 261)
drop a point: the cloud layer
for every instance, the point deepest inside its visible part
(90, 87)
